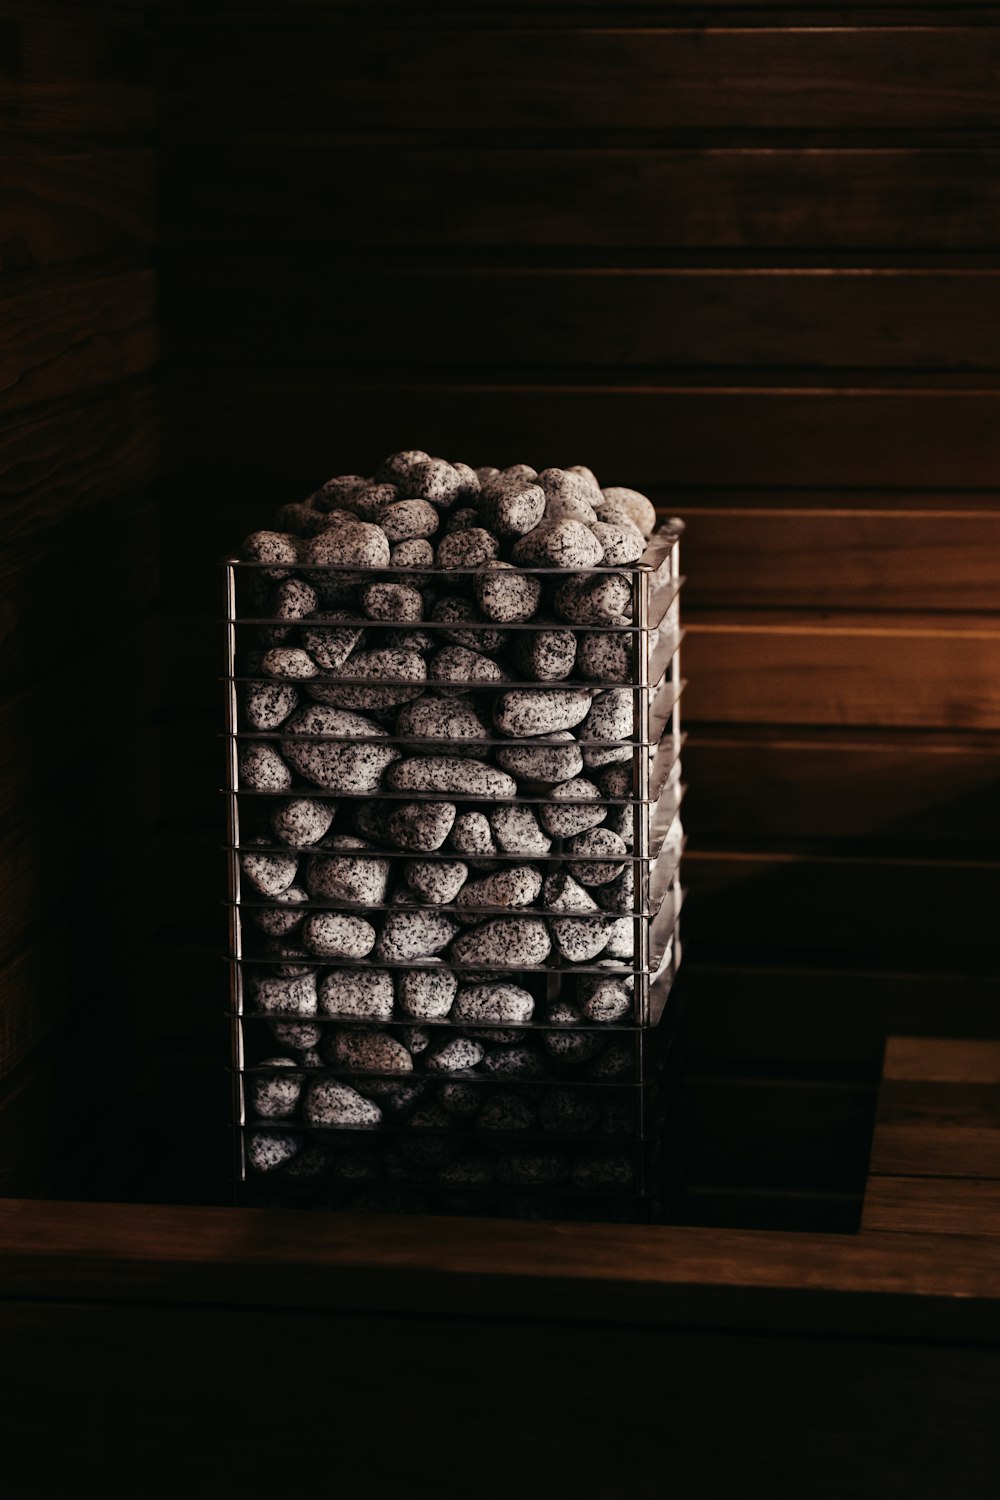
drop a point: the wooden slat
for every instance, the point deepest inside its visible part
(690, 318)
(757, 1207)
(916, 911)
(777, 1016)
(910, 1059)
(938, 1129)
(276, 78)
(67, 333)
(753, 198)
(896, 670)
(840, 559)
(72, 80)
(932, 1205)
(888, 790)
(293, 432)
(60, 208)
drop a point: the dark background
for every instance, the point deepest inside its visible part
(741, 257)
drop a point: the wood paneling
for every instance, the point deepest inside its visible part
(900, 198)
(922, 792)
(687, 317)
(277, 79)
(287, 430)
(883, 671)
(61, 207)
(76, 80)
(914, 910)
(67, 333)
(932, 1205)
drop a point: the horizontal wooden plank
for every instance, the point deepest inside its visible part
(60, 80)
(296, 430)
(60, 208)
(68, 332)
(820, 1404)
(559, 12)
(891, 791)
(796, 1019)
(937, 1130)
(689, 318)
(653, 1276)
(913, 911)
(752, 198)
(895, 670)
(840, 559)
(910, 1059)
(276, 78)
(932, 1205)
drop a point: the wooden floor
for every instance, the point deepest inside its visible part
(227, 1351)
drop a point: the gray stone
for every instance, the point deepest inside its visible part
(399, 602)
(302, 821)
(427, 994)
(398, 467)
(330, 647)
(559, 544)
(504, 1003)
(622, 544)
(407, 935)
(460, 666)
(436, 880)
(359, 1051)
(605, 1169)
(270, 1150)
(525, 712)
(506, 1111)
(562, 893)
(512, 942)
(548, 764)
(262, 768)
(454, 611)
(408, 520)
(404, 672)
(333, 1104)
(441, 773)
(291, 601)
(569, 1111)
(435, 479)
(294, 996)
(421, 827)
(606, 656)
(418, 553)
(505, 595)
(511, 504)
(443, 718)
(275, 1096)
(460, 1099)
(281, 918)
(290, 663)
(471, 834)
(546, 655)
(338, 874)
(469, 548)
(611, 719)
(513, 1062)
(357, 994)
(564, 821)
(458, 1055)
(604, 600)
(517, 831)
(516, 885)
(597, 841)
(580, 939)
(604, 1000)
(361, 545)
(275, 547)
(268, 704)
(267, 873)
(331, 934)
(640, 511)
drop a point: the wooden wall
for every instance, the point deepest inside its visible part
(77, 540)
(741, 256)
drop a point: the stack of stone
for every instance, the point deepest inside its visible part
(455, 842)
